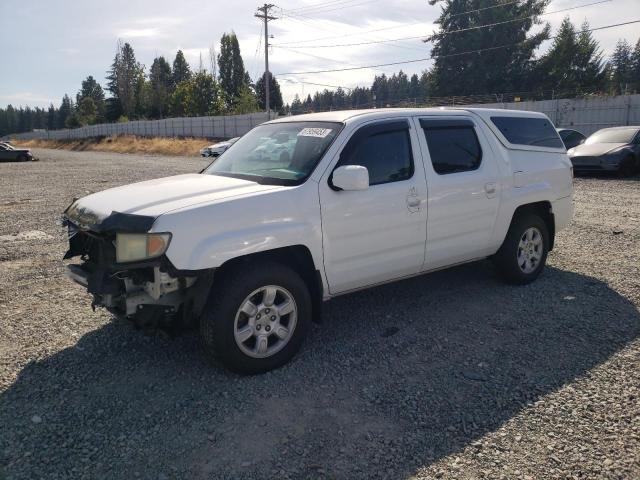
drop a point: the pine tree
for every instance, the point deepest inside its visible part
(230, 66)
(621, 68)
(92, 89)
(181, 70)
(557, 68)
(489, 69)
(635, 67)
(124, 79)
(65, 111)
(590, 75)
(275, 96)
(161, 81)
(51, 117)
(87, 111)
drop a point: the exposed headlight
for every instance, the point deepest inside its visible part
(131, 247)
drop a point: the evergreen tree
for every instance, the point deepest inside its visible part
(230, 66)
(124, 79)
(66, 110)
(296, 106)
(246, 102)
(495, 70)
(414, 87)
(161, 81)
(621, 68)
(635, 67)
(275, 96)
(87, 111)
(92, 89)
(557, 68)
(181, 70)
(590, 75)
(51, 117)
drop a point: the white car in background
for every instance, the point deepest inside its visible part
(218, 149)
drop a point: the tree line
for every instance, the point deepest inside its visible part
(166, 90)
(574, 65)
(478, 50)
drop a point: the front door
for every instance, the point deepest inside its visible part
(374, 235)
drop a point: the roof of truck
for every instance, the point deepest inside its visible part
(344, 115)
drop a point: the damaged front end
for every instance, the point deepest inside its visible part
(149, 291)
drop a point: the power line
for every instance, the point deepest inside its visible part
(319, 8)
(316, 26)
(450, 55)
(334, 8)
(477, 27)
(404, 25)
(318, 84)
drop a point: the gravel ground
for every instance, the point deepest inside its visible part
(450, 375)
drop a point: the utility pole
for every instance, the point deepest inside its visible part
(263, 13)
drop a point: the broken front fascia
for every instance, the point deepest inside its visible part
(147, 287)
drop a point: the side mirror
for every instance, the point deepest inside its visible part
(351, 177)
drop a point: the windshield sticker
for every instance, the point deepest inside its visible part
(314, 132)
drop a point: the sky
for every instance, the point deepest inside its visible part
(49, 46)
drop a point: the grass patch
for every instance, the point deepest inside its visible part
(185, 147)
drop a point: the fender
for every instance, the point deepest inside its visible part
(515, 197)
(207, 236)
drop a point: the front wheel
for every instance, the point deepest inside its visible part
(257, 319)
(523, 254)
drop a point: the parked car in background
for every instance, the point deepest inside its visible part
(571, 138)
(306, 208)
(9, 153)
(218, 149)
(615, 149)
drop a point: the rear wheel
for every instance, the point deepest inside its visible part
(523, 254)
(627, 167)
(258, 318)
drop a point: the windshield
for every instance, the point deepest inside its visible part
(618, 135)
(277, 153)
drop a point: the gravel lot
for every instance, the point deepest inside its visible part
(451, 375)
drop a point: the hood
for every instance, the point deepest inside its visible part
(155, 197)
(220, 145)
(594, 150)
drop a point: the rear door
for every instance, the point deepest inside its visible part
(464, 191)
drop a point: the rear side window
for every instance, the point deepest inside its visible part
(534, 132)
(453, 149)
(385, 153)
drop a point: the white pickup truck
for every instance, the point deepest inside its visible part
(305, 208)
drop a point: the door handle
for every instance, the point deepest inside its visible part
(413, 200)
(490, 189)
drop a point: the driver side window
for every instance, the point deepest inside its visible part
(386, 152)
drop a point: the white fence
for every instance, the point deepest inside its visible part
(585, 114)
(203, 127)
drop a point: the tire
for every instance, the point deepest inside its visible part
(508, 260)
(22, 158)
(627, 167)
(224, 324)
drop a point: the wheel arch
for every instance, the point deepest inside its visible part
(297, 257)
(545, 211)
